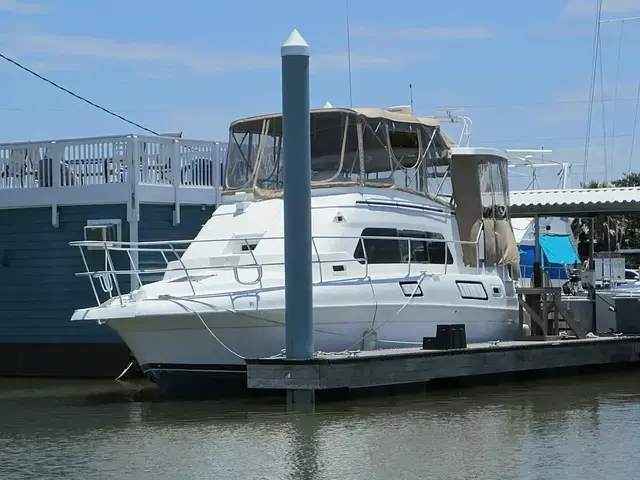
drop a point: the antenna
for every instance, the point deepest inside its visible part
(411, 96)
(346, 5)
(467, 124)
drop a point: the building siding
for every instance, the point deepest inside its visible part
(156, 224)
(38, 287)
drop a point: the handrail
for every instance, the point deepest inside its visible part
(96, 243)
(128, 247)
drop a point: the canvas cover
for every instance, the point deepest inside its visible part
(500, 247)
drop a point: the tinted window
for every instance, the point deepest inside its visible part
(438, 250)
(381, 251)
(417, 250)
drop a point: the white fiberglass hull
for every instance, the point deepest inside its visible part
(184, 339)
(169, 339)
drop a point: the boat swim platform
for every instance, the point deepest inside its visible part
(510, 360)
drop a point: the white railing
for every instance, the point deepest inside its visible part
(109, 160)
(107, 277)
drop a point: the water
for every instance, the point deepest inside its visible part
(566, 428)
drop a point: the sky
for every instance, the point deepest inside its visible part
(521, 70)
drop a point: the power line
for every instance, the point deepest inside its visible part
(470, 106)
(76, 95)
(548, 139)
(536, 103)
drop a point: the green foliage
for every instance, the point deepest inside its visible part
(616, 231)
(628, 180)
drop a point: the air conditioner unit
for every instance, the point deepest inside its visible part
(101, 233)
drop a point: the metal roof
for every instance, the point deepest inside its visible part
(576, 202)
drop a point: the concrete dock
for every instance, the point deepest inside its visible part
(404, 366)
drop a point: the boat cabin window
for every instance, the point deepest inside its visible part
(365, 146)
(401, 245)
(405, 147)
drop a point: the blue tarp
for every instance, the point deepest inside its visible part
(558, 249)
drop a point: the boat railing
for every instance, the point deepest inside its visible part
(107, 278)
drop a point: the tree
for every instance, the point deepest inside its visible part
(633, 220)
(627, 180)
(612, 232)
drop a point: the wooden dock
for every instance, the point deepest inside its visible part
(404, 366)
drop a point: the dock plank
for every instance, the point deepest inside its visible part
(412, 365)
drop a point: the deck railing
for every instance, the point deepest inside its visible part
(107, 277)
(111, 160)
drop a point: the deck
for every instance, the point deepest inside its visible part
(404, 366)
(107, 170)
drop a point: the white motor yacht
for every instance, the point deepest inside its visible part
(409, 231)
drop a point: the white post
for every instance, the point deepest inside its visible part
(133, 207)
(176, 177)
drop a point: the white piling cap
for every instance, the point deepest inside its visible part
(295, 45)
(327, 104)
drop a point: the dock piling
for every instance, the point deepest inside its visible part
(296, 131)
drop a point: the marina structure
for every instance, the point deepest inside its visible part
(118, 188)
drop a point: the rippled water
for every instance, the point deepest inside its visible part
(585, 428)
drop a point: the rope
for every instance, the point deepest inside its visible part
(222, 344)
(282, 353)
(420, 280)
(635, 122)
(244, 314)
(125, 371)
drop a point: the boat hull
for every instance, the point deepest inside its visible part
(204, 352)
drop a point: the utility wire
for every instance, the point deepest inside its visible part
(76, 95)
(470, 106)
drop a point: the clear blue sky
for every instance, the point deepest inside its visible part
(520, 69)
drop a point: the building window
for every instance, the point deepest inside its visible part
(390, 250)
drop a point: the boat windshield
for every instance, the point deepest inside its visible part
(348, 146)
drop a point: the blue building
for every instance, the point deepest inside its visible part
(135, 188)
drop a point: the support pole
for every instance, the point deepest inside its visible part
(297, 206)
(537, 261)
(536, 300)
(592, 267)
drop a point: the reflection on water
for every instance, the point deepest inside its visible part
(583, 428)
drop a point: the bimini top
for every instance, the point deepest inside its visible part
(370, 113)
(349, 146)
